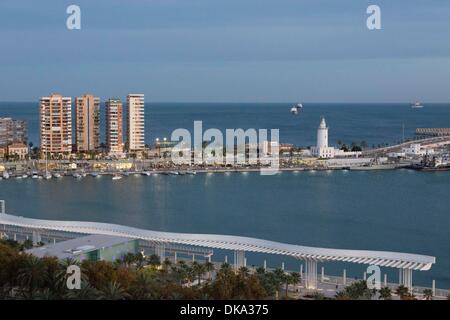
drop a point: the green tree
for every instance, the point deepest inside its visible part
(385, 293)
(113, 291)
(143, 287)
(86, 292)
(402, 291)
(154, 260)
(428, 294)
(199, 270)
(32, 275)
(209, 267)
(358, 291)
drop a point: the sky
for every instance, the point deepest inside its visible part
(227, 50)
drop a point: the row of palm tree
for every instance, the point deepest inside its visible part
(359, 291)
(135, 276)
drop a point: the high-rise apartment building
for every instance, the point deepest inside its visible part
(114, 126)
(12, 131)
(87, 123)
(55, 115)
(135, 122)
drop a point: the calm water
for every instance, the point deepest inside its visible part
(402, 210)
(373, 123)
(396, 210)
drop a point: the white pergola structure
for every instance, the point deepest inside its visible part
(406, 262)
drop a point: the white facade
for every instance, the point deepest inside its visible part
(136, 122)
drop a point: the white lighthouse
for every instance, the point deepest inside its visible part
(322, 134)
(322, 150)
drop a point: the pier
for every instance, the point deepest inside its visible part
(433, 132)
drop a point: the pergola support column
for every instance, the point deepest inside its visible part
(160, 251)
(239, 259)
(406, 278)
(36, 237)
(311, 274)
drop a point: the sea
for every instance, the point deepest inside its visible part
(401, 210)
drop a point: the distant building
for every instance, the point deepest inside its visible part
(87, 123)
(55, 115)
(135, 122)
(114, 126)
(417, 150)
(270, 147)
(20, 150)
(2, 152)
(91, 248)
(12, 131)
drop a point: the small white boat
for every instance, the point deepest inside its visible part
(175, 173)
(5, 175)
(47, 176)
(77, 176)
(117, 177)
(94, 174)
(191, 172)
(417, 105)
(296, 108)
(57, 175)
(146, 173)
(34, 176)
(24, 176)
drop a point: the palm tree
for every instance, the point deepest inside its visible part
(86, 292)
(209, 267)
(46, 294)
(296, 278)
(244, 271)
(279, 277)
(154, 260)
(32, 274)
(342, 295)
(128, 259)
(385, 293)
(402, 291)
(428, 294)
(142, 287)
(198, 269)
(288, 279)
(166, 265)
(260, 270)
(113, 291)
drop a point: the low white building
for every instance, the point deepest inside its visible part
(417, 150)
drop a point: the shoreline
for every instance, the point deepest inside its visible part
(193, 171)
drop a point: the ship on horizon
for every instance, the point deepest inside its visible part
(417, 105)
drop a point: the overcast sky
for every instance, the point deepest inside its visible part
(227, 50)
